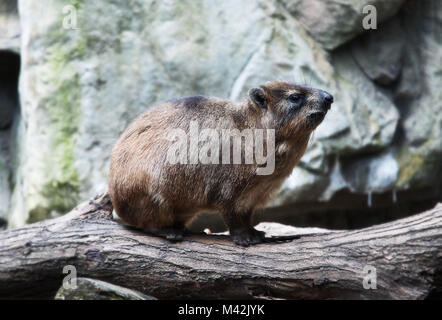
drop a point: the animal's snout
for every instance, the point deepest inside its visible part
(327, 99)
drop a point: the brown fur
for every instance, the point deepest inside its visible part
(151, 194)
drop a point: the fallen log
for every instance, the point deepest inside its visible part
(397, 260)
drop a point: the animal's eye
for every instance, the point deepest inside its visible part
(296, 99)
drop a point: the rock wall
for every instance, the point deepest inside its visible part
(81, 86)
(9, 26)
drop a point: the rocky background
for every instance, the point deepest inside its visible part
(376, 156)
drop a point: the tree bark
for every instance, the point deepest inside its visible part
(406, 255)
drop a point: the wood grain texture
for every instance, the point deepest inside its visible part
(406, 253)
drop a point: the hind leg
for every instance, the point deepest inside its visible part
(241, 229)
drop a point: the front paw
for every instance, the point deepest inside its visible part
(246, 237)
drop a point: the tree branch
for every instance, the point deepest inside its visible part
(406, 253)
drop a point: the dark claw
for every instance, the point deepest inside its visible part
(246, 237)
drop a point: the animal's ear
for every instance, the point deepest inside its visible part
(258, 97)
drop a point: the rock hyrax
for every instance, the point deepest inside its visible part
(159, 187)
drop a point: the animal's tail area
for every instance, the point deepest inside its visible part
(102, 205)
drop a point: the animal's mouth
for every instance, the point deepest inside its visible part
(315, 118)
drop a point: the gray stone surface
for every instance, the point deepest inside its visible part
(334, 22)
(9, 26)
(418, 97)
(379, 53)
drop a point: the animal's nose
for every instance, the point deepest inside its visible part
(327, 98)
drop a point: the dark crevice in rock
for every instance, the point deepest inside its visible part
(9, 111)
(9, 73)
(3, 224)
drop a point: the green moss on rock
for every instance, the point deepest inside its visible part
(61, 186)
(410, 165)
